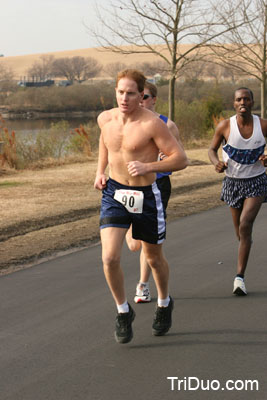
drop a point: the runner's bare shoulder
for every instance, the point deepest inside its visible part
(151, 117)
(105, 117)
(223, 127)
(263, 123)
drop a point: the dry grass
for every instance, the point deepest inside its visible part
(46, 192)
(54, 209)
(20, 64)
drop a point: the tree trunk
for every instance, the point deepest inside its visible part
(263, 76)
(172, 97)
(263, 96)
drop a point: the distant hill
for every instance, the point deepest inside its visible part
(20, 64)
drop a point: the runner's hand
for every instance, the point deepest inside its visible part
(162, 155)
(136, 168)
(263, 160)
(100, 182)
(220, 166)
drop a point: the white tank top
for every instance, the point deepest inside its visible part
(242, 155)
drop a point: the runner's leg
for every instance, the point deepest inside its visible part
(133, 244)
(248, 215)
(145, 269)
(160, 268)
(112, 240)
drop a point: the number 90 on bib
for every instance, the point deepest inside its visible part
(132, 200)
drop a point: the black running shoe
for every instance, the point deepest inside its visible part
(163, 319)
(124, 332)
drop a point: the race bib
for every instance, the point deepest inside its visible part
(131, 199)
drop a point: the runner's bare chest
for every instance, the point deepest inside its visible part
(245, 130)
(130, 138)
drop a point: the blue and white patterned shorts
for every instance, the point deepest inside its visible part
(235, 191)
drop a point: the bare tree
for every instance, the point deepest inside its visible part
(148, 68)
(85, 68)
(7, 82)
(42, 69)
(153, 68)
(113, 68)
(246, 49)
(230, 74)
(194, 71)
(62, 67)
(214, 71)
(159, 28)
(76, 68)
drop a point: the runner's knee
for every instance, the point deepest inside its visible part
(154, 261)
(134, 245)
(245, 228)
(110, 260)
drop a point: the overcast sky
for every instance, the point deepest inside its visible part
(41, 26)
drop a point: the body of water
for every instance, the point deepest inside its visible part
(33, 126)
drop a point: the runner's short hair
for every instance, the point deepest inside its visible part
(245, 88)
(135, 75)
(152, 88)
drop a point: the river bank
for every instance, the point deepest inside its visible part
(12, 115)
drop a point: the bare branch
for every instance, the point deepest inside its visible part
(247, 45)
(161, 27)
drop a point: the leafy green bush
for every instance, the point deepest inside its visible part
(193, 120)
(189, 91)
(214, 106)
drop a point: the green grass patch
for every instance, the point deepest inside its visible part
(10, 184)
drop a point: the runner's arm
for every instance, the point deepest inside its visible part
(175, 133)
(174, 130)
(100, 180)
(217, 140)
(263, 157)
(176, 158)
(263, 123)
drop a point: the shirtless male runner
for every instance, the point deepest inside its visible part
(142, 294)
(245, 185)
(130, 139)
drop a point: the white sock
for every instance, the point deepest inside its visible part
(123, 308)
(144, 284)
(164, 302)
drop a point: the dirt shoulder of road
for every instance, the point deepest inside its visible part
(48, 212)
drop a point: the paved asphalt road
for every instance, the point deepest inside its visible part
(57, 322)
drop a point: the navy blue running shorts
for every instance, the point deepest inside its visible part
(235, 191)
(164, 185)
(149, 226)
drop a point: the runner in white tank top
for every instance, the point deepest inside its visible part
(245, 184)
(242, 155)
